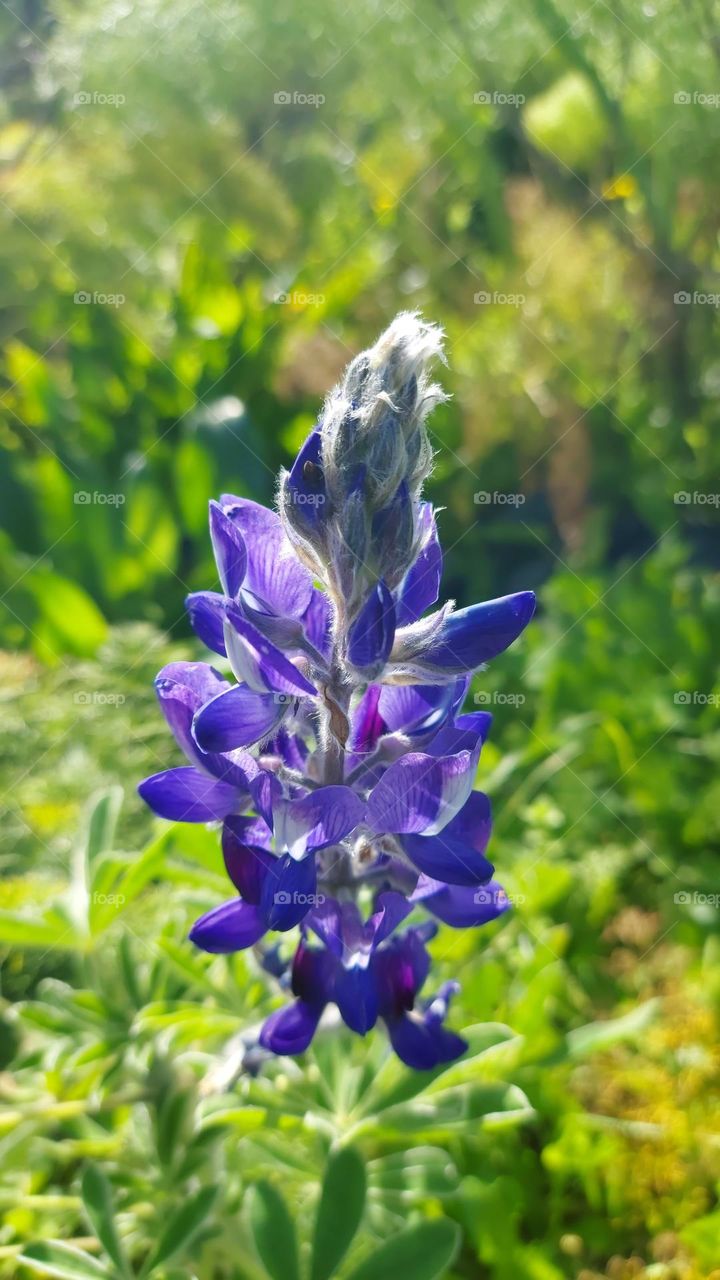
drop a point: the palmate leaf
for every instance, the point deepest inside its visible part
(274, 1232)
(423, 1252)
(341, 1205)
(438, 1115)
(53, 1258)
(414, 1171)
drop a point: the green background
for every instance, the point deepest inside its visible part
(188, 259)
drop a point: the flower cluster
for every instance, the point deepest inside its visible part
(339, 762)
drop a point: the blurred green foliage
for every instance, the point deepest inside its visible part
(191, 249)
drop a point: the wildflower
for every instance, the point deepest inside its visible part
(340, 762)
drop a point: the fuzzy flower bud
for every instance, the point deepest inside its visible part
(351, 502)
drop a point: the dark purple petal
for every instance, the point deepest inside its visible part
(246, 864)
(401, 969)
(230, 927)
(258, 662)
(372, 633)
(356, 997)
(289, 1031)
(421, 586)
(288, 892)
(186, 795)
(265, 790)
(306, 485)
(460, 906)
(391, 909)
(274, 575)
(207, 616)
(238, 717)
(316, 820)
(366, 726)
(317, 621)
(423, 1046)
(313, 975)
(229, 550)
(474, 635)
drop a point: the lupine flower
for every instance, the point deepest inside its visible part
(340, 763)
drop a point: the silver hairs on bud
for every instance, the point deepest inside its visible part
(351, 502)
(375, 418)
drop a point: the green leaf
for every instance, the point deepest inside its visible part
(601, 1035)
(102, 821)
(273, 1232)
(339, 1212)
(98, 1201)
(180, 1227)
(53, 1258)
(423, 1252)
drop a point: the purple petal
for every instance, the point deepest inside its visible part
(474, 635)
(459, 906)
(391, 909)
(325, 920)
(229, 550)
(401, 969)
(274, 575)
(456, 855)
(265, 790)
(367, 725)
(258, 662)
(418, 708)
(207, 618)
(423, 1046)
(421, 793)
(238, 717)
(288, 892)
(317, 621)
(183, 687)
(372, 633)
(357, 998)
(246, 864)
(306, 484)
(421, 586)
(186, 795)
(289, 1031)
(230, 927)
(319, 819)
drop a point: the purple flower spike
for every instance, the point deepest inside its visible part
(340, 764)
